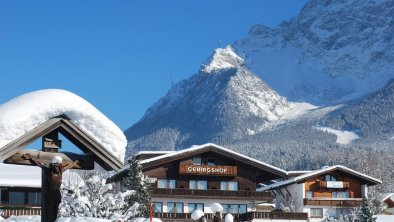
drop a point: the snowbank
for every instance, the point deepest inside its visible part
(23, 113)
(343, 137)
(141, 219)
(384, 218)
(80, 219)
(24, 219)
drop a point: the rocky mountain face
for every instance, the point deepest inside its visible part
(290, 95)
(333, 51)
(223, 100)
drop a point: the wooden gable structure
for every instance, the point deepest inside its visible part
(73, 133)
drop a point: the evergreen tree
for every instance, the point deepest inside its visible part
(136, 181)
(365, 213)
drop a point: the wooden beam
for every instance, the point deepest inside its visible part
(86, 162)
(72, 132)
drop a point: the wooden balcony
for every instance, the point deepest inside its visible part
(186, 217)
(340, 202)
(212, 194)
(323, 184)
(274, 215)
(18, 210)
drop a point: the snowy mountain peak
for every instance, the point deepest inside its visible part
(332, 51)
(222, 58)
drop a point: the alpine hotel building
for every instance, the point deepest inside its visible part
(194, 178)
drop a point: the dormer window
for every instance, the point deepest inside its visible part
(197, 160)
(329, 178)
(211, 162)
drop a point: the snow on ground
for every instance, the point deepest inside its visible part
(141, 219)
(384, 218)
(24, 219)
(298, 109)
(343, 137)
(24, 113)
(80, 219)
(19, 176)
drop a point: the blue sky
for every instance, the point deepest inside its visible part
(121, 56)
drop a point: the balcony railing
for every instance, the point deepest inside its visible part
(343, 202)
(273, 215)
(18, 210)
(323, 184)
(237, 217)
(225, 194)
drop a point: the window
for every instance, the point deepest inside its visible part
(16, 197)
(198, 184)
(309, 194)
(342, 211)
(162, 183)
(316, 212)
(229, 185)
(234, 208)
(173, 207)
(330, 178)
(242, 209)
(340, 194)
(197, 160)
(157, 207)
(211, 162)
(34, 198)
(195, 206)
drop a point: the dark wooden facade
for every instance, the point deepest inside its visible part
(247, 176)
(319, 186)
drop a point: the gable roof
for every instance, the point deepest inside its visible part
(214, 148)
(24, 113)
(386, 196)
(72, 132)
(300, 179)
(168, 156)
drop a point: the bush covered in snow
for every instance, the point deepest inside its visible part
(92, 197)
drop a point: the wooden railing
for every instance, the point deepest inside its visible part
(323, 184)
(18, 210)
(273, 215)
(225, 194)
(354, 202)
(184, 216)
(237, 217)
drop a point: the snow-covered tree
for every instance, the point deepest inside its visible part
(93, 197)
(366, 212)
(136, 181)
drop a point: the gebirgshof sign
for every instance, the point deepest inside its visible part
(208, 170)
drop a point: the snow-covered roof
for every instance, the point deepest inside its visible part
(19, 176)
(385, 196)
(298, 172)
(153, 152)
(214, 146)
(22, 114)
(319, 172)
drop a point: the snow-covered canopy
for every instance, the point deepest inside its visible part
(22, 114)
(20, 176)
